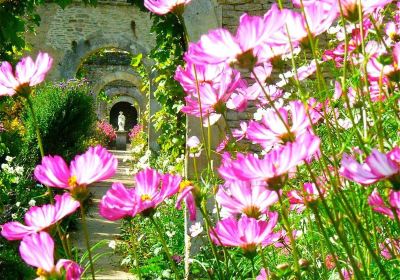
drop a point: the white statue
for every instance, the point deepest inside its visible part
(121, 121)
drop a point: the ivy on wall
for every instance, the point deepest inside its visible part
(167, 55)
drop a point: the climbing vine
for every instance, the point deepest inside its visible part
(167, 55)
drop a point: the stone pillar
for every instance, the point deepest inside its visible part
(121, 140)
(200, 17)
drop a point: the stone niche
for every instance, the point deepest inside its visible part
(129, 111)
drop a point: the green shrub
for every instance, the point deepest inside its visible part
(66, 118)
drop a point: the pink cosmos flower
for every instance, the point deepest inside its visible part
(263, 275)
(210, 74)
(392, 30)
(378, 205)
(377, 166)
(94, 165)
(219, 46)
(246, 233)
(338, 54)
(118, 202)
(242, 197)
(283, 240)
(262, 72)
(351, 94)
(389, 72)
(245, 93)
(240, 133)
(162, 7)
(298, 200)
(193, 142)
(27, 74)
(305, 71)
(350, 7)
(272, 131)
(223, 144)
(186, 189)
(347, 273)
(319, 16)
(38, 250)
(152, 188)
(390, 248)
(273, 166)
(41, 218)
(315, 110)
(212, 100)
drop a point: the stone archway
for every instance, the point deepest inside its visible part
(73, 33)
(84, 48)
(131, 95)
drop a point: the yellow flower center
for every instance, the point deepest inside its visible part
(145, 197)
(72, 181)
(184, 184)
(288, 137)
(252, 211)
(41, 272)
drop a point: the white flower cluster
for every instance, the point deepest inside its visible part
(142, 163)
(9, 169)
(196, 229)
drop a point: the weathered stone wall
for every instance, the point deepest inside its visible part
(231, 10)
(73, 33)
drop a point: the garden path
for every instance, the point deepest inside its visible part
(107, 267)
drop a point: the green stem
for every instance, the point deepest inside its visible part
(253, 275)
(165, 247)
(213, 249)
(63, 241)
(271, 102)
(208, 153)
(328, 243)
(134, 248)
(41, 149)
(86, 235)
(35, 122)
(342, 237)
(291, 238)
(360, 253)
(396, 217)
(39, 139)
(195, 169)
(264, 261)
(187, 39)
(357, 222)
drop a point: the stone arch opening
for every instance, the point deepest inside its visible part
(83, 49)
(129, 111)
